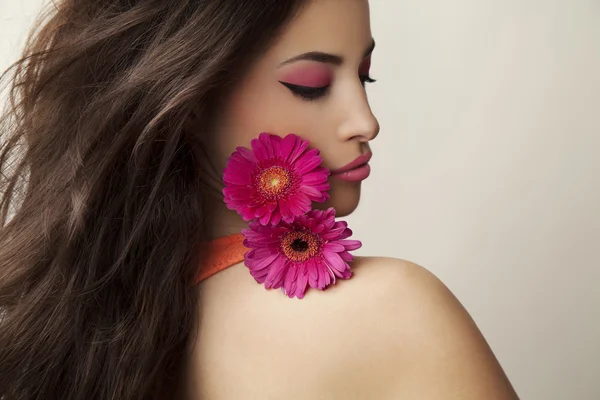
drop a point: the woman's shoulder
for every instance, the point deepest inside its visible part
(420, 330)
(384, 333)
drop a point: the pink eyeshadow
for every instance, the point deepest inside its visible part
(312, 76)
(365, 67)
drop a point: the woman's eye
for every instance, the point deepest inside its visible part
(306, 92)
(366, 79)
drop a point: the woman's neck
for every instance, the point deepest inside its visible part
(222, 221)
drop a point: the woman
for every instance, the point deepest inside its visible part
(126, 113)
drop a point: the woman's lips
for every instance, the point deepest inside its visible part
(355, 171)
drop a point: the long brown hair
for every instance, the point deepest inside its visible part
(102, 200)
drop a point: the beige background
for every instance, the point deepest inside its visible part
(486, 170)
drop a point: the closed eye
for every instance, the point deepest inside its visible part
(306, 92)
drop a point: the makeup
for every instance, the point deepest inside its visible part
(354, 171)
(365, 67)
(313, 76)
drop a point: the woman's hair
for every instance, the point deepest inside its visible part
(102, 202)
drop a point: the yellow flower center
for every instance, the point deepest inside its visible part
(274, 181)
(300, 246)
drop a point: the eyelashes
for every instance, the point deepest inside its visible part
(309, 93)
(367, 79)
(306, 92)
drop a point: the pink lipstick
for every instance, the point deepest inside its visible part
(356, 170)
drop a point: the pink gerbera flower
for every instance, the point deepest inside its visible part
(310, 252)
(277, 180)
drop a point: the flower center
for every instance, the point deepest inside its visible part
(274, 182)
(300, 246)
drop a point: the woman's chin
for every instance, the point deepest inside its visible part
(344, 197)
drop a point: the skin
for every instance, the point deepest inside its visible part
(393, 331)
(340, 124)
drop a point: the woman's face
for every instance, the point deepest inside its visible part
(311, 83)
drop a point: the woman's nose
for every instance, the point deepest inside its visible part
(359, 121)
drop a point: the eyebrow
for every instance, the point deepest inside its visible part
(326, 58)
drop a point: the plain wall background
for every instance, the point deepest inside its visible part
(486, 170)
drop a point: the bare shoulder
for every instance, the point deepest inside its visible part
(433, 349)
(391, 331)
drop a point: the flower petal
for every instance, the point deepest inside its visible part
(335, 262)
(313, 273)
(287, 146)
(236, 179)
(286, 214)
(310, 191)
(237, 192)
(260, 211)
(335, 247)
(346, 256)
(351, 244)
(314, 178)
(267, 141)
(307, 163)
(265, 218)
(240, 162)
(325, 275)
(255, 262)
(276, 273)
(290, 277)
(299, 147)
(259, 149)
(296, 207)
(275, 218)
(301, 282)
(247, 154)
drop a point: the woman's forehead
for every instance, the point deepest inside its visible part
(329, 26)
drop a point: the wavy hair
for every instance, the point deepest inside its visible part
(102, 199)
